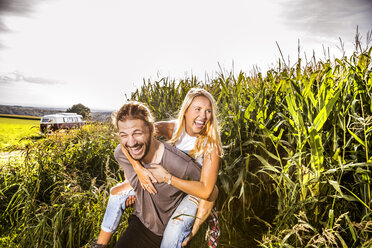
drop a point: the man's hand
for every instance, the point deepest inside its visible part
(130, 201)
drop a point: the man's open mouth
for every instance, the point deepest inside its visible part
(135, 150)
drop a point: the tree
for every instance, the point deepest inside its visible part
(80, 109)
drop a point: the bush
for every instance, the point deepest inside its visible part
(56, 195)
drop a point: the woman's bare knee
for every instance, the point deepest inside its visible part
(120, 189)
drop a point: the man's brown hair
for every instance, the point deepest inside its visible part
(134, 110)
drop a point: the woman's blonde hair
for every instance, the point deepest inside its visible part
(209, 137)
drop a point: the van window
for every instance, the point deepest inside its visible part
(67, 119)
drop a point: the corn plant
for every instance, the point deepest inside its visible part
(296, 170)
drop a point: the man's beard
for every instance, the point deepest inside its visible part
(146, 145)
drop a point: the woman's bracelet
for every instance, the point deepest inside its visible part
(170, 180)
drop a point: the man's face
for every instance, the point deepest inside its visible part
(135, 136)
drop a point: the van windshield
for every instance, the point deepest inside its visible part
(46, 120)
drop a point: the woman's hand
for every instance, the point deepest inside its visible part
(146, 179)
(160, 174)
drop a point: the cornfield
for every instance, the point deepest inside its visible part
(296, 170)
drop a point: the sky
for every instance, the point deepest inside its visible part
(56, 53)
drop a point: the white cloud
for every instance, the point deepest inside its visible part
(329, 18)
(101, 50)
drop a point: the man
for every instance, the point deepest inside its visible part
(152, 211)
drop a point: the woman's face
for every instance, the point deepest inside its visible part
(197, 115)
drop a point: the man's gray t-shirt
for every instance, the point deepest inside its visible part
(154, 211)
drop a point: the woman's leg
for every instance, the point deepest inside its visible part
(204, 210)
(114, 210)
(181, 222)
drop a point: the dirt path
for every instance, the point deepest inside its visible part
(4, 156)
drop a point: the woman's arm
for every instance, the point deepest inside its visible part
(203, 188)
(165, 129)
(145, 177)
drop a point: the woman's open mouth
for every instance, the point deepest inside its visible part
(199, 124)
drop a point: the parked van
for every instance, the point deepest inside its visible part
(60, 121)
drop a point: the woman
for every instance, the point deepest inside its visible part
(195, 132)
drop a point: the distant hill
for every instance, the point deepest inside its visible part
(31, 111)
(39, 111)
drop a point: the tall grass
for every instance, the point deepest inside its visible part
(296, 170)
(297, 146)
(56, 195)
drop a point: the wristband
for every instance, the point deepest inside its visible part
(170, 180)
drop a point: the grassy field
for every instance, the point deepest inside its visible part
(296, 170)
(15, 132)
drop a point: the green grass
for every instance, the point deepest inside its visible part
(16, 133)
